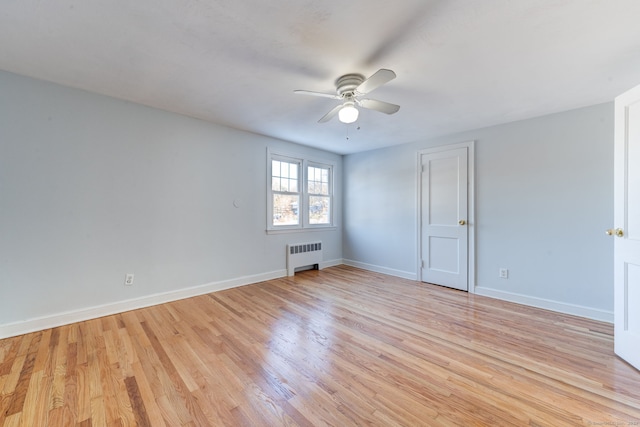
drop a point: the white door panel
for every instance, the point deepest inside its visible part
(633, 294)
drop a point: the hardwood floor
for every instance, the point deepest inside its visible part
(339, 347)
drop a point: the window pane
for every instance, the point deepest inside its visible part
(311, 181)
(293, 185)
(275, 184)
(275, 168)
(285, 209)
(319, 210)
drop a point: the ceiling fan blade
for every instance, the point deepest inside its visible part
(383, 107)
(324, 95)
(379, 78)
(331, 113)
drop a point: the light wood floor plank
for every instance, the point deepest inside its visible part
(339, 347)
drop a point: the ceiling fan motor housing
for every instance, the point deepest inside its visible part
(348, 83)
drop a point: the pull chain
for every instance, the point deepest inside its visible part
(358, 128)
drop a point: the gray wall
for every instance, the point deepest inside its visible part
(543, 200)
(92, 188)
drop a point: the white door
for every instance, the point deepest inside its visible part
(627, 222)
(444, 217)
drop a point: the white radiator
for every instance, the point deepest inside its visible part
(302, 255)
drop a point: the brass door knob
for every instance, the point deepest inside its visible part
(618, 232)
(462, 222)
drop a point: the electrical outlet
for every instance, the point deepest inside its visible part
(128, 279)
(503, 273)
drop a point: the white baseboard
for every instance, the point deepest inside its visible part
(64, 318)
(332, 263)
(59, 319)
(561, 307)
(384, 270)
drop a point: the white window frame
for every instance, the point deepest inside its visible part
(303, 187)
(270, 192)
(308, 195)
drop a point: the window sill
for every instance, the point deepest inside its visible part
(301, 230)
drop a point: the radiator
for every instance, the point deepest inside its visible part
(303, 255)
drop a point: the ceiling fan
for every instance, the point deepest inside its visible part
(349, 89)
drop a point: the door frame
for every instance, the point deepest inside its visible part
(471, 224)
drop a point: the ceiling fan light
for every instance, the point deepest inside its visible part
(348, 113)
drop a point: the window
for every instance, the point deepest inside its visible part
(285, 177)
(319, 194)
(300, 193)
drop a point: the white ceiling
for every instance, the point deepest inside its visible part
(461, 64)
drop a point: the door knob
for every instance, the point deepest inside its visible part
(462, 222)
(618, 232)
